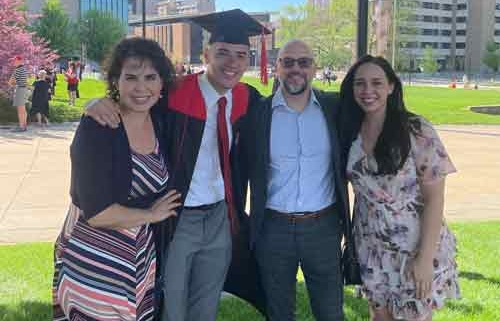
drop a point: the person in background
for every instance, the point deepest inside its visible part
(40, 99)
(50, 78)
(72, 79)
(397, 166)
(19, 80)
(105, 256)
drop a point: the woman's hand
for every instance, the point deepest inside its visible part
(422, 272)
(164, 207)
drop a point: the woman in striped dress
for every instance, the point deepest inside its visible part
(105, 260)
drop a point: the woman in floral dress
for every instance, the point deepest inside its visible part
(397, 166)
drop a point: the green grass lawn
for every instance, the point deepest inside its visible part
(26, 276)
(60, 110)
(439, 105)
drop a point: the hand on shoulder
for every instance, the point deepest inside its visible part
(104, 111)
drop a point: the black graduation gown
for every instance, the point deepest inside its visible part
(186, 117)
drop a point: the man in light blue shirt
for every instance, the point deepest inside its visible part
(298, 190)
(301, 177)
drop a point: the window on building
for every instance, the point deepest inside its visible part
(427, 5)
(85, 6)
(445, 45)
(427, 32)
(462, 6)
(497, 19)
(446, 7)
(460, 45)
(497, 32)
(445, 32)
(132, 7)
(431, 19)
(446, 19)
(461, 19)
(461, 32)
(497, 6)
(410, 45)
(424, 45)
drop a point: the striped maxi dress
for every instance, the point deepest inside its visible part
(105, 274)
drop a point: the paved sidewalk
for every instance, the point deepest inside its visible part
(34, 179)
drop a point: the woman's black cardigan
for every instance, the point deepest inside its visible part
(101, 175)
(101, 165)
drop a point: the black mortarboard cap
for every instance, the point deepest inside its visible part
(232, 26)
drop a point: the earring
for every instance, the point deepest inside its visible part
(114, 93)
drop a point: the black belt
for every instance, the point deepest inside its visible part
(204, 207)
(299, 216)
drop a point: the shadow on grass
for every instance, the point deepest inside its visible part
(26, 311)
(464, 309)
(232, 308)
(54, 131)
(474, 276)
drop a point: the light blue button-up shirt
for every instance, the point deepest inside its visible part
(300, 169)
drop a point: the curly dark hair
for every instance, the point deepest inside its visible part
(393, 145)
(142, 49)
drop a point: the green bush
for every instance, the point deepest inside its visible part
(8, 113)
(61, 112)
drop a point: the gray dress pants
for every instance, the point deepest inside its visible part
(197, 263)
(314, 245)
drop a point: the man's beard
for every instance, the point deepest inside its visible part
(295, 89)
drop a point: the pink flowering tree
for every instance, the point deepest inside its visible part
(16, 40)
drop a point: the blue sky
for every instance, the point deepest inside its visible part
(254, 5)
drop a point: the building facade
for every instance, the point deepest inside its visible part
(76, 9)
(178, 7)
(457, 31)
(319, 3)
(184, 42)
(117, 8)
(181, 41)
(135, 7)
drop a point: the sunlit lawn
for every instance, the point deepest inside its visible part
(439, 105)
(26, 276)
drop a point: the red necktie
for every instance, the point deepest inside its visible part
(223, 143)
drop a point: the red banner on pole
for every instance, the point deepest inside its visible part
(263, 59)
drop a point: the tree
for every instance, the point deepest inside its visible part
(99, 32)
(429, 63)
(328, 30)
(391, 16)
(57, 29)
(16, 40)
(491, 57)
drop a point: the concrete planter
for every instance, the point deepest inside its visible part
(492, 110)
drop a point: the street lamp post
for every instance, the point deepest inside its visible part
(362, 28)
(394, 28)
(144, 18)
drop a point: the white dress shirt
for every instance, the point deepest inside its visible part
(207, 184)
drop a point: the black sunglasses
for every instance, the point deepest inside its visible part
(303, 62)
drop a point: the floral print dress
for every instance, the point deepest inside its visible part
(387, 220)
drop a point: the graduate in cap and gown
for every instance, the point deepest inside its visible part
(206, 249)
